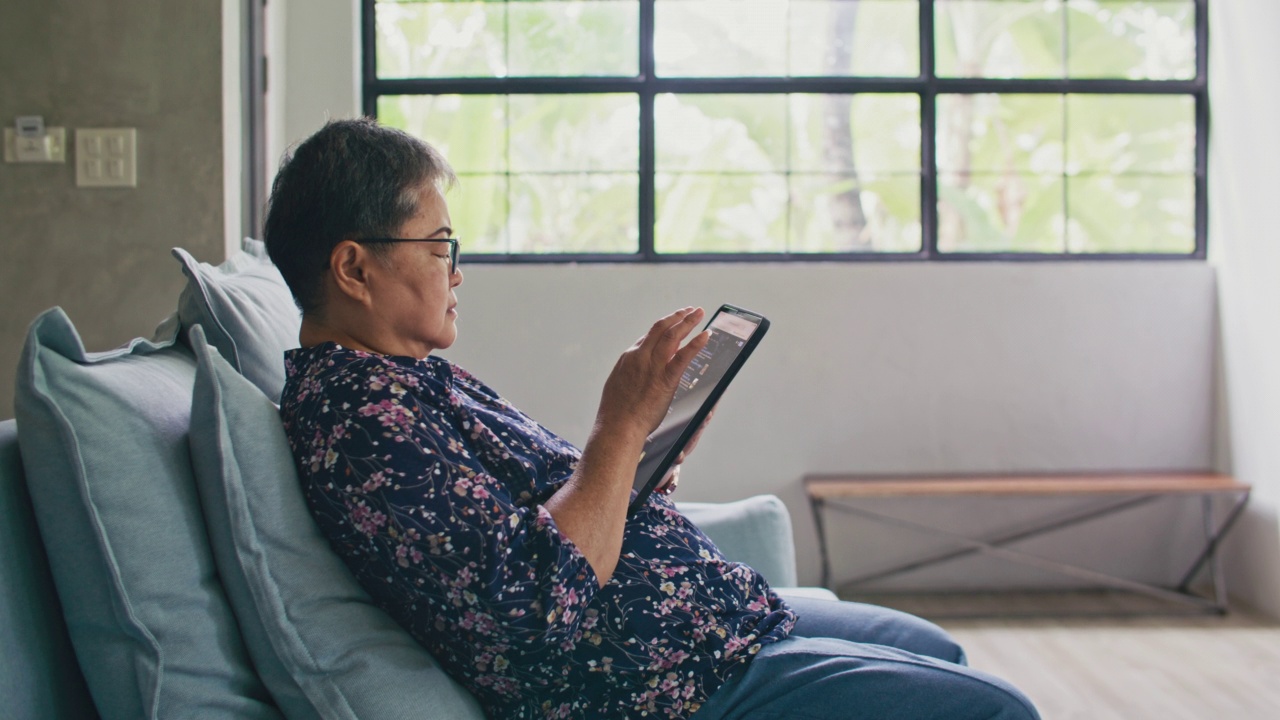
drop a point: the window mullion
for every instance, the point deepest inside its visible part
(928, 136)
(648, 213)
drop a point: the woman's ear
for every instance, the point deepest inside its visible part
(348, 268)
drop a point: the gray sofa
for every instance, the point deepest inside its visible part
(156, 559)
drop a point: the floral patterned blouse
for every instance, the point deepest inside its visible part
(429, 485)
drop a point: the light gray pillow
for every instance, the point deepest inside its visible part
(104, 444)
(246, 310)
(314, 634)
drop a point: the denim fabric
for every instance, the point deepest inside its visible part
(860, 662)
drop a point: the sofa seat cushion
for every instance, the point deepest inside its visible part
(308, 624)
(246, 310)
(104, 444)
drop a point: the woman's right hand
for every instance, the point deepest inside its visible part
(590, 508)
(639, 390)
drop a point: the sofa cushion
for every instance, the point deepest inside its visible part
(307, 622)
(755, 531)
(39, 677)
(104, 444)
(246, 310)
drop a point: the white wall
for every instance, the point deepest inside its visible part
(314, 71)
(879, 367)
(1244, 187)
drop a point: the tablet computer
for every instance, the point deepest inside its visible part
(734, 334)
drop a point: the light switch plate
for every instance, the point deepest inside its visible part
(50, 149)
(107, 157)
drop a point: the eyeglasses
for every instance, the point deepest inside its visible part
(453, 246)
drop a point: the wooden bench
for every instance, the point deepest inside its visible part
(848, 493)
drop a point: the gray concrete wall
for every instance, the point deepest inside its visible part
(102, 254)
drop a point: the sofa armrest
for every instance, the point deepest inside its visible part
(755, 531)
(39, 677)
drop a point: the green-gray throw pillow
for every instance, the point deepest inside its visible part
(306, 621)
(246, 310)
(104, 444)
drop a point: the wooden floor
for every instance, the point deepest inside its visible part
(1123, 668)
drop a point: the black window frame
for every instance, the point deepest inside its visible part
(648, 85)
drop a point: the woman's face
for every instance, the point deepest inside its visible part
(414, 295)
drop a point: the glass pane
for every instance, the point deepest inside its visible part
(721, 132)
(578, 37)
(478, 213)
(998, 38)
(1128, 39)
(1132, 213)
(714, 212)
(855, 133)
(879, 38)
(575, 133)
(578, 212)
(1119, 134)
(990, 133)
(846, 213)
(1005, 212)
(716, 38)
(440, 39)
(469, 129)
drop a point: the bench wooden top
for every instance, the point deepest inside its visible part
(847, 486)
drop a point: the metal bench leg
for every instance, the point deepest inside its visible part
(1210, 552)
(816, 504)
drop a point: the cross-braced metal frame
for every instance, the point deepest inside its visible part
(998, 546)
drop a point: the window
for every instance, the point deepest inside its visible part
(805, 129)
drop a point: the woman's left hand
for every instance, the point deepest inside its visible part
(669, 483)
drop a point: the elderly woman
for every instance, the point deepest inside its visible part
(502, 548)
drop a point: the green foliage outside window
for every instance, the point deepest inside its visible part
(808, 141)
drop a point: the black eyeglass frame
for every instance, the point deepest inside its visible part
(453, 246)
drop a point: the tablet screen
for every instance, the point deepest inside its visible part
(734, 334)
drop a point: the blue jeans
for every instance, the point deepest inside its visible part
(861, 662)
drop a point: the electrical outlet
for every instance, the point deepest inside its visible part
(107, 157)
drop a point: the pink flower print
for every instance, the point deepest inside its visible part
(375, 481)
(736, 643)
(367, 519)
(390, 414)
(406, 553)
(565, 597)
(465, 577)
